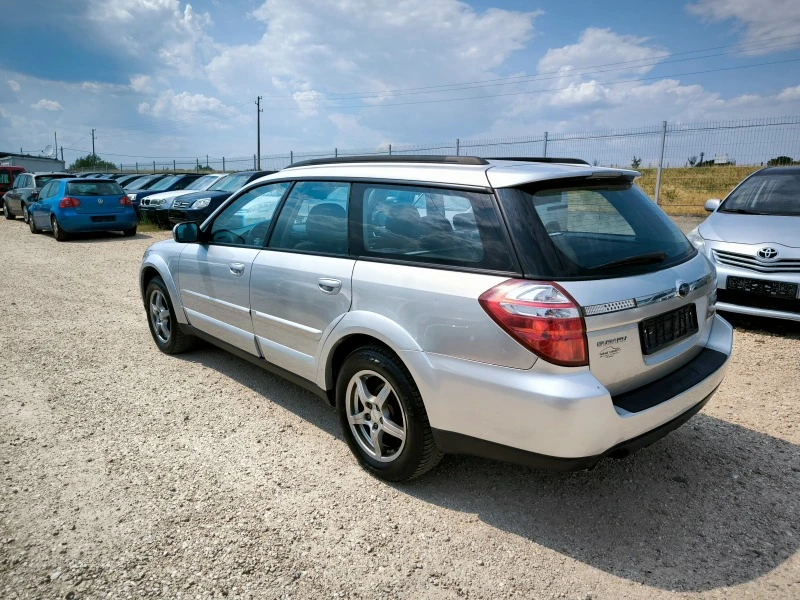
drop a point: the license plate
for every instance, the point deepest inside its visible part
(760, 287)
(667, 328)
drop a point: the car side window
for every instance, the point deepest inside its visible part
(47, 191)
(431, 225)
(314, 218)
(246, 221)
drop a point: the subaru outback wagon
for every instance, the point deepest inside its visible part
(541, 311)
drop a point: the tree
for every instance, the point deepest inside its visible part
(92, 162)
(779, 160)
(692, 161)
(636, 162)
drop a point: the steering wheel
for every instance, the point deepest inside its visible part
(226, 236)
(258, 234)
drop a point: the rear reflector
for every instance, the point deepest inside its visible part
(542, 317)
(69, 202)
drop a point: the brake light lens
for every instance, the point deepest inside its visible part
(125, 201)
(542, 317)
(69, 202)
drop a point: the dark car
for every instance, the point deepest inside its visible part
(165, 184)
(25, 191)
(126, 179)
(198, 206)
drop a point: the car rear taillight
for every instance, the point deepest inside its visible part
(542, 317)
(125, 201)
(69, 202)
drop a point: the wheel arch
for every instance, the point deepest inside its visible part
(155, 266)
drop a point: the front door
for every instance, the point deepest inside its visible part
(301, 286)
(214, 277)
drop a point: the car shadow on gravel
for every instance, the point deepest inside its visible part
(713, 504)
(103, 236)
(771, 327)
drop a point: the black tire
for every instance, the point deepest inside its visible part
(9, 215)
(177, 341)
(419, 453)
(129, 232)
(32, 225)
(58, 233)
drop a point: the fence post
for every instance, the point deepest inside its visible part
(390, 149)
(254, 162)
(291, 157)
(223, 164)
(544, 153)
(661, 160)
(174, 165)
(154, 166)
(336, 153)
(137, 167)
(458, 146)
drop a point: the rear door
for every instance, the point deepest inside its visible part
(40, 210)
(301, 285)
(214, 277)
(14, 195)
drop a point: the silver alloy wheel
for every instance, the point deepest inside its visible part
(159, 316)
(376, 416)
(54, 223)
(25, 215)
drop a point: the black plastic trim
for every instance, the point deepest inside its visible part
(392, 158)
(260, 362)
(458, 443)
(541, 159)
(689, 375)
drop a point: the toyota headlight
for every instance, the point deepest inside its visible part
(201, 203)
(697, 240)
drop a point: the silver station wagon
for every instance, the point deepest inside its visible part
(541, 311)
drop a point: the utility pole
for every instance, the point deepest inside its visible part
(62, 153)
(259, 110)
(92, 142)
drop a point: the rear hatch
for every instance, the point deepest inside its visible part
(97, 196)
(645, 295)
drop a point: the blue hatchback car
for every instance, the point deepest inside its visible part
(68, 206)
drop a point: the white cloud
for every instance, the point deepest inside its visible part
(759, 20)
(185, 105)
(789, 94)
(50, 105)
(14, 85)
(596, 46)
(141, 83)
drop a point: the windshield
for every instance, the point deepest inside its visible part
(138, 184)
(164, 184)
(230, 183)
(766, 193)
(203, 183)
(591, 230)
(92, 188)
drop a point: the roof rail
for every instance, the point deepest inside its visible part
(542, 159)
(394, 158)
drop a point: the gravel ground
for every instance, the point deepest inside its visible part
(127, 473)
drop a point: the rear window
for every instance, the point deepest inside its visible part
(591, 230)
(93, 188)
(767, 193)
(42, 180)
(430, 225)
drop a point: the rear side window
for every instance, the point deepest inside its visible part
(91, 188)
(5, 177)
(590, 230)
(430, 225)
(314, 218)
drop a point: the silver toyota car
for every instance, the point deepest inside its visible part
(541, 311)
(753, 237)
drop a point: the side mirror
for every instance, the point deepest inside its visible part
(186, 233)
(712, 205)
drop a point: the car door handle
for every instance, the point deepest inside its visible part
(236, 268)
(329, 286)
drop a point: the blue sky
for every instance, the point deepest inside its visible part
(163, 78)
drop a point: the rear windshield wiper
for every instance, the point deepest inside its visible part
(639, 259)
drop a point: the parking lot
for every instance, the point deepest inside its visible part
(129, 473)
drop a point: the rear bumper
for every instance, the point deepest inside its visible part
(559, 418)
(78, 223)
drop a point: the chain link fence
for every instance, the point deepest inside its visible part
(682, 164)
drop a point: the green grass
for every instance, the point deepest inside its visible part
(684, 190)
